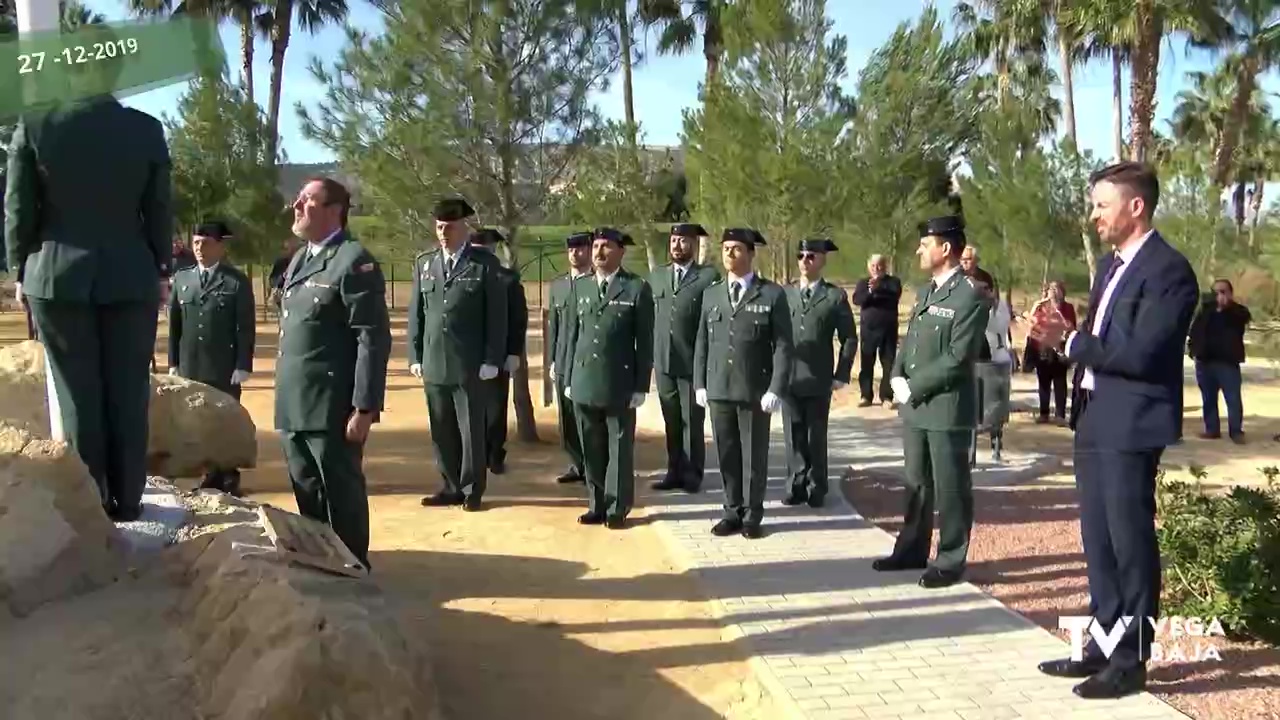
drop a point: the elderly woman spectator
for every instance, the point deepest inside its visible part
(1050, 363)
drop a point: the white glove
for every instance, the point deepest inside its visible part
(901, 390)
(770, 402)
(568, 395)
(513, 363)
(173, 371)
(416, 370)
(837, 385)
(637, 399)
(488, 372)
(239, 376)
(17, 292)
(700, 397)
(551, 372)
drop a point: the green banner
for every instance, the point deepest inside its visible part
(45, 69)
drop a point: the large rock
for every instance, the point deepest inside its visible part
(192, 427)
(55, 539)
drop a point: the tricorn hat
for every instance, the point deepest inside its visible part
(742, 235)
(816, 245)
(578, 239)
(688, 230)
(216, 229)
(451, 209)
(613, 235)
(487, 236)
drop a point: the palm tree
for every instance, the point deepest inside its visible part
(1005, 32)
(1262, 162)
(311, 16)
(1107, 28)
(680, 28)
(1249, 34)
(75, 15)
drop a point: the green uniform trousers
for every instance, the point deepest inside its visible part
(328, 484)
(457, 417)
(804, 427)
(569, 439)
(741, 433)
(684, 419)
(937, 474)
(608, 451)
(100, 357)
(497, 397)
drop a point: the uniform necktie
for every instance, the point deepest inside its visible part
(735, 292)
(204, 278)
(678, 278)
(1102, 290)
(604, 287)
(806, 295)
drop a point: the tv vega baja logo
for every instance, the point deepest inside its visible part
(1173, 639)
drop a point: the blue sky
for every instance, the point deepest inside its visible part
(664, 86)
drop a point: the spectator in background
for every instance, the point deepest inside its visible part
(1050, 363)
(1216, 343)
(878, 296)
(275, 280)
(183, 258)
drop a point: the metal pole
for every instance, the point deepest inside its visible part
(43, 16)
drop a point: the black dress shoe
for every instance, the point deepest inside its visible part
(615, 523)
(1068, 668)
(816, 501)
(893, 564)
(935, 578)
(120, 513)
(570, 477)
(726, 527)
(668, 483)
(752, 532)
(793, 499)
(1112, 683)
(443, 499)
(471, 504)
(590, 518)
(498, 468)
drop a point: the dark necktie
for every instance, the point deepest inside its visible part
(604, 288)
(678, 277)
(204, 278)
(1102, 290)
(734, 293)
(806, 295)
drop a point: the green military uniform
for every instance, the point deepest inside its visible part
(677, 294)
(560, 317)
(457, 331)
(212, 329)
(608, 375)
(335, 340)
(88, 230)
(819, 313)
(743, 353)
(944, 333)
(498, 390)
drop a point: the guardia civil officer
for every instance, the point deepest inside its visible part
(933, 379)
(331, 375)
(677, 293)
(608, 375)
(212, 327)
(457, 341)
(562, 313)
(741, 368)
(820, 312)
(498, 390)
(88, 231)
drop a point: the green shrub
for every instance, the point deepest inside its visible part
(1221, 553)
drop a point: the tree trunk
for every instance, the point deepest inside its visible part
(1117, 107)
(246, 54)
(521, 397)
(1255, 204)
(1068, 89)
(279, 44)
(1090, 259)
(1144, 68)
(1222, 159)
(628, 97)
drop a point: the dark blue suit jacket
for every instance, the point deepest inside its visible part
(1137, 357)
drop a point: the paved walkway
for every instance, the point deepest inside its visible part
(832, 638)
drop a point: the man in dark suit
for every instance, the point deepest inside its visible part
(878, 296)
(677, 294)
(331, 373)
(1126, 409)
(498, 390)
(212, 327)
(88, 229)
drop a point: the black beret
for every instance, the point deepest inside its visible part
(688, 230)
(487, 236)
(215, 229)
(579, 239)
(742, 235)
(816, 245)
(450, 209)
(945, 226)
(613, 235)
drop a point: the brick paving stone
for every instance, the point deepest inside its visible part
(840, 641)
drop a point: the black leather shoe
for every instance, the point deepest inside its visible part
(471, 504)
(442, 499)
(816, 501)
(1112, 683)
(893, 564)
(935, 578)
(125, 514)
(1068, 668)
(793, 499)
(569, 477)
(752, 532)
(726, 527)
(498, 468)
(615, 523)
(668, 483)
(590, 518)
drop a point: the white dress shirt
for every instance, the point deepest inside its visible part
(1127, 255)
(314, 248)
